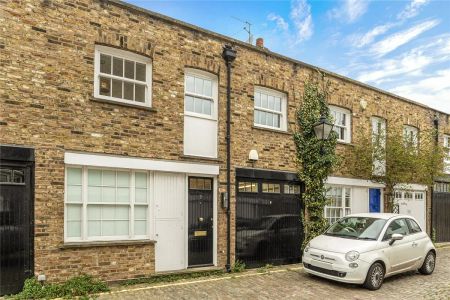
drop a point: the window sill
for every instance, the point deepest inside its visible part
(345, 143)
(148, 108)
(89, 244)
(272, 130)
(191, 157)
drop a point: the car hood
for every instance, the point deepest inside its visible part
(341, 245)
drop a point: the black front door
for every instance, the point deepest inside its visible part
(16, 218)
(200, 215)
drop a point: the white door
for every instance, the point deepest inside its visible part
(412, 203)
(170, 199)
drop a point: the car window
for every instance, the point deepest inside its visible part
(413, 226)
(397, 226)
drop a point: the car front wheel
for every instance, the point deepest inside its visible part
(375, 277)
(428, 264)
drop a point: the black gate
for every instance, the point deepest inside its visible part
(441, 216)
(16, 217)
(268, 219)
(200, 216)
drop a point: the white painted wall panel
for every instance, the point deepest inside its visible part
(360, 200)
(200, 137)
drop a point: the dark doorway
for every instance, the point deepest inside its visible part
(200, 216)
(16, 217)
(268, 220)
(441, 216)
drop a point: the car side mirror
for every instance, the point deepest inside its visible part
(395, 237)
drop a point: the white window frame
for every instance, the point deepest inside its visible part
(348, 126)
(84, 203)
(126, 55)
(409, 130)
(447, 152)
(282, 114)
(377, 124)
(343, 207)
(214, 80)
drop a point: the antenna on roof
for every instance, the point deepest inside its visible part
(247, 28)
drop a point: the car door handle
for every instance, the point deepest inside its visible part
(414, 244)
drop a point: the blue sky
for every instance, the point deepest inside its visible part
(399, 46)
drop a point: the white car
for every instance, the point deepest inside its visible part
(366, 248)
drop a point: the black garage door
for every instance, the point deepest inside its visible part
(268, 222)
(441, 216)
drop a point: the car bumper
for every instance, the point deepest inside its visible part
(339, 270)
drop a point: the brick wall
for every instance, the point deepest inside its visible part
(46, 95)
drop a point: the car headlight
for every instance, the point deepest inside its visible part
(306, 248)
(352, 255)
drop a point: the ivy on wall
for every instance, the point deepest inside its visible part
(315, 158)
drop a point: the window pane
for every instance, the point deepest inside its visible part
(139, 93)
(207, 88)
(94, 177)
(109, 194)
(189, 103)
(73, 212)
(73, 176)
(94, 228)
(270, 102)
(128, 89)
(118, 66)
(269, 119)
(122, 213)
(123, 195)
(140, 227)
(207, 107)
(123, 179)
(141, 195)
(190, 84)
(256, 116)
(73, 228)
(109, 178)
(140, 212)
(257, 99)
(141, 180)
(140, 72)
(198, 105)
(117, 88)
(276, 121)
(129, 69)
(105, 86)
(94, 194)
(108, 228)
(105, 64)
(74, 193)
(198, 86)
(122, 227)
(277, 104)
(264, 100)
(94, 212)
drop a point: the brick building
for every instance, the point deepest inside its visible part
(114, 118)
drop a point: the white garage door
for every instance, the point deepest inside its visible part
(170, 199)
(412, 203)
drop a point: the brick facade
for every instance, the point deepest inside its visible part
(46, 96)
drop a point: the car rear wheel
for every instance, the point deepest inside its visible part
(375, 277)
(429, 264)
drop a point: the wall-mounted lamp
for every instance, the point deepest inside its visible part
(253, 156)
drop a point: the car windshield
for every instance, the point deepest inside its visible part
(361, 228)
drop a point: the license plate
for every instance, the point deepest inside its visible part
(322, 265)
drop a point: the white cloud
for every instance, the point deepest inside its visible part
(302, 19)
(433, 91)
(398, 39)
(281, 23)
(367, 38)
(349, 11)
(412, 9)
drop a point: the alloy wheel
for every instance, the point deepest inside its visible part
(377, 276)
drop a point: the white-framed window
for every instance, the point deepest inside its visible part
(339, 203)
(200, 94)
(379, 145)
(272, 188)
(122, 76)
(342, 123)
(411, 135)
(292, 189)
(447, 153)
(270, 109)
(106, 204)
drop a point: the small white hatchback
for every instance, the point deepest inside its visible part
(366, 248)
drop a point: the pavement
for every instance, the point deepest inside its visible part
(291, 282)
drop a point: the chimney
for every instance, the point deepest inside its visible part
(260, 42)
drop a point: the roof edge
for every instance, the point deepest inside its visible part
(225, 38)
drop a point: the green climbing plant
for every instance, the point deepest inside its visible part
(315, 158)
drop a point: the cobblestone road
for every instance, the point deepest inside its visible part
(296, 284)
